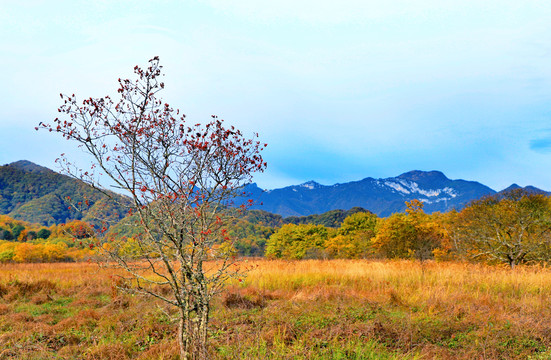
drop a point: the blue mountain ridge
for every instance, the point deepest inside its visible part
(380, 196)
(33, 193)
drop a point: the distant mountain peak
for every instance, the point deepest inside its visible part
(529, 189)
(28, 166)
(417, 175)
(512, 187)
(310, 185)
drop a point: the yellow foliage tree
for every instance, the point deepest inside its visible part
(341, 247)
(297, 241)
(28, 253)
(54, 252)
(354, 236)
(7, 251)
(411, 235)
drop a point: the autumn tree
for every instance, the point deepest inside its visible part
(17, 230)
(297, 241)
(511, 228)
(181, 179)
(78, 229)
(411, 235)
(363, 223)
(354, 236)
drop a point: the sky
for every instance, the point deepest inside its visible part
(340, 90)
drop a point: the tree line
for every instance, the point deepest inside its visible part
(23, 242)
(511, 228)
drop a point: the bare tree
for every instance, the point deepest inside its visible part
(182, 179)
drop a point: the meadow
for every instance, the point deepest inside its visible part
(309, 309)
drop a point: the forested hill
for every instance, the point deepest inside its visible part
(39, 195)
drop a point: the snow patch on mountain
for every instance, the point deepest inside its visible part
(434, 201)
(311, 185)
(397, 187)
(411, 187)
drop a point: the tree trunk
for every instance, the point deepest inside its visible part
(192, 333)
(202, 327)
(183, 337)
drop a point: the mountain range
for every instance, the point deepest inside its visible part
(37, 194)
(380, 196)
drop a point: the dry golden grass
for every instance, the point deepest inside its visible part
(337, 309)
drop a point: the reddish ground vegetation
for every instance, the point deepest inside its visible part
(340, 309)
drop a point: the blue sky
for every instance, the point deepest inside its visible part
(340, 90)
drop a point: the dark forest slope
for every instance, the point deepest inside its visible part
(36, 194)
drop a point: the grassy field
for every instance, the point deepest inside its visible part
(339, 309)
